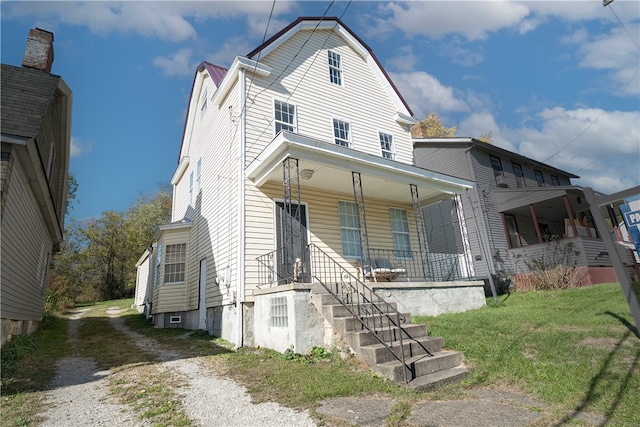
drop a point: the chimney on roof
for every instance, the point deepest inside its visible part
(39, 51)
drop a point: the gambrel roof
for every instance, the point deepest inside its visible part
(325, 23)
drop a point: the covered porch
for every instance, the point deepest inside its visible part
(376, 228)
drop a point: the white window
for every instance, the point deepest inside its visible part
(284, 116)
(175, 258)
(386, 145)
(279, 316)
(335, 68)
(349, 230)
(158, 250)
(198, 174)
(191, 189)
(203, 103)
(400, 230)
(342, 133)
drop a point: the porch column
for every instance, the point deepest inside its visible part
(291, 184)
(358, 197)
(585, 221)
(535, 223)
(570, 213)
(421, 230)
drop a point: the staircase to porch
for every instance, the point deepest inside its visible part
(377, 332)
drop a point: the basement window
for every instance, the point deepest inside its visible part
(279, 314)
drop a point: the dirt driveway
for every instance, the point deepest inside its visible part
(81, 395)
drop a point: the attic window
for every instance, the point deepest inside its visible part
(335, 68)
(555, 180)
(203, 103)
(386, 145)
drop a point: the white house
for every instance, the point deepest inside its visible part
(295, 169)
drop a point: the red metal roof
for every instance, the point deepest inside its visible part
(215, 72)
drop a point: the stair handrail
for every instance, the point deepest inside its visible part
(323, 263)
(266, 262)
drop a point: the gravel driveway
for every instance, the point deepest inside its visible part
(79, 395)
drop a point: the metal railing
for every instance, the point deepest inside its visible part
(429, 267)
(267, 270)
(376, 315)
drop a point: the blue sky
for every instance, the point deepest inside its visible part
(555, 81)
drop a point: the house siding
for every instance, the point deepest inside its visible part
(314, 115)
(171, 297)
(26, 250)
(143, 283)
(448, 160)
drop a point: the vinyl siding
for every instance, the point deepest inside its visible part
(172, 297)
(447, 160)
(323, 225)
(142, 282)
(26, 246)
(318, 100)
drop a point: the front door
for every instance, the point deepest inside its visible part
(291, 242)
(202, 296)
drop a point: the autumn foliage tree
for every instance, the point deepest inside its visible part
(432, 127)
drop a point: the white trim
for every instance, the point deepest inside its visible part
(182, 166)
(239, 63)
(404, 119)
(14, 139)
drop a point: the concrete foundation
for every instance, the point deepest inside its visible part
(10, 328)
(432, 298)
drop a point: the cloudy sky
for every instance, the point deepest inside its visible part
(556, 81)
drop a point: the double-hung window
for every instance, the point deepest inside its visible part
(539, 178)
(284, 116)
(400, 231)
(191, 189)
(175, 257)
(386, 145)
(335, 68)
(517, 171)
(349, 230)
(203, 104)
(342, 133)
(555, 180)
(198, 176)
(496, 164)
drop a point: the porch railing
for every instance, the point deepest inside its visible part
(429, 267)
(268, 270)
(375, 315)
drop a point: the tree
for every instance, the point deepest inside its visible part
(432, 127)
(486, 137)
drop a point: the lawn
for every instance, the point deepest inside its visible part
(575, 349)
(571, 349)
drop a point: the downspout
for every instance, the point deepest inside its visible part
(241, 213)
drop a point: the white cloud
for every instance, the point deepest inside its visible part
(79, 147)
(473, 20)
(406, 59)
(600, 146)
(424, 93)
(178, 64)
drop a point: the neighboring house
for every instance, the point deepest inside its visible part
(36, 135)
(295, 169)
(517, 211)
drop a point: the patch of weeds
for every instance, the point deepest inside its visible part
(315, 354)
(399, 413)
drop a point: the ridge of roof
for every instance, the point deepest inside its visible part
(216, 72)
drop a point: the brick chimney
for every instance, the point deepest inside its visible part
(39, 51)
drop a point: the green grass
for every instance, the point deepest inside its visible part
(573, 348)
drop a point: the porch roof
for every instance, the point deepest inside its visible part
(547, 201)
(331, 167)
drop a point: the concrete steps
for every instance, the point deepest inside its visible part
(426, 363)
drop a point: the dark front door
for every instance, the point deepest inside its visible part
(291, 242)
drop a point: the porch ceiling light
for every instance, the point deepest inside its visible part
(306, 174)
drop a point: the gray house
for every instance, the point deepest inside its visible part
(518, 210)
(36, 135)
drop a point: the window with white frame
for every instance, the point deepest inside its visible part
(198, 175)
(203, 103)
(175, 257)
(342, 133)
(158, 250)
(335, 68)
(279, 316)
(284, 116)
(349, 230)
(191, 189)
(400, 231)
(386, 145)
